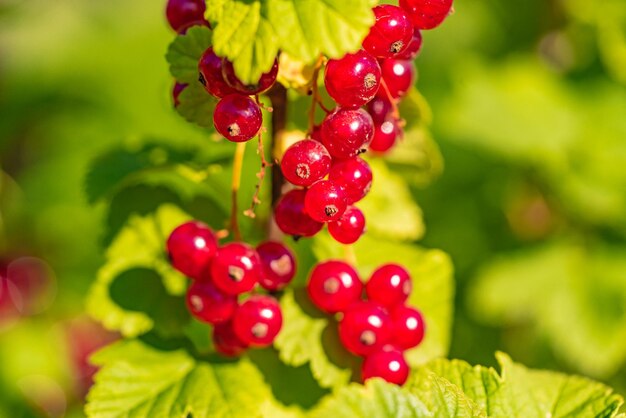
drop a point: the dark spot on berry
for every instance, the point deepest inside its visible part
(282, 265)
(259, 330)
(396, 47)
(234, 129)
(330, 210)
(368, 338)
(303, 171)
(201, 79)
(361, 151)
(235, 273)
(331, 286)
(369, 81)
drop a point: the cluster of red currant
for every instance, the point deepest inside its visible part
(222, 275)
(379, 328)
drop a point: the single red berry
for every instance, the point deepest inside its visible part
(176, 91)
(365, 328)
(385, 136)
(346, 132)
(414, 48)
(408, 327)
(389, 365)
(325, 201)
(379, 108)
(226, 341)
(278, 263)
(427, 14)
(354, 176)
(305, 162)
(191, 247)
(334, 286)
(291, 217)
(258, 320)
(236, 268)
(238, 118)
(390, 34)
(207, 303)
(352, 80)
(390, 285)
(182, 14)
(266, 81)
(210, 68)
(399, 76)
(349, 228)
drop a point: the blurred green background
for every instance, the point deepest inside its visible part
(529, 106)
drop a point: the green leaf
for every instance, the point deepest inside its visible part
(415, 110)
(308, 337)
(389, 208)
(135, 262)
(197, 105)
(184, 53)
(416, 157)
(138, 381)
(250, 33)
(433, 285)
(445, 399)
(377, 399)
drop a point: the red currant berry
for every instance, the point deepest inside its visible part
(278, 263)
(379, 108)
(427, 14)
(389, 365)
(291, 218)
(305, 162)
(334, 286)
(176, 91)
(354, 176)
(408, 327)
(390, 285)
(399, 76)
(325, 201)
(207, 303)
(349, 228)
(181, 14)
(238, 118)
(191, 247)
(414, 48)
(365, 328)
(266, 81)
(258, 320)
(385, 136)
(226, 341)
(390, 34)
(346, 132)
(236, 268)
(210, 68)
(352, 80)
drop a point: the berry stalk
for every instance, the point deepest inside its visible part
(235, 185)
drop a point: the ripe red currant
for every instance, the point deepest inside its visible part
(346, 132)
(379, 108)
(278, 263)
(291, 217)
(349, 228)
(325, 201)
(236, 268)
(181, 14)
(414, 48)
(390, 285)
(354, 176)
(176, 91)
(226, 341)
(191, 247)
(352, 80)
(334, 286)
(266, 81)
(365, 328)
(399, 76)
(207, 303)
(238, 118)
(408, 327)
(389, 365)
(426, 14)
(210, 68)
(390, 34)
(385, 136)
(305, 162)
(258, 320)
